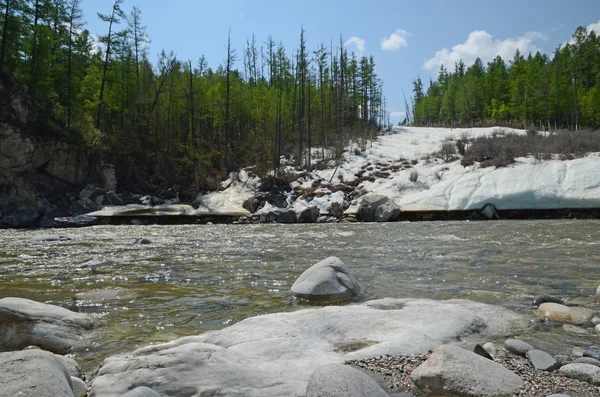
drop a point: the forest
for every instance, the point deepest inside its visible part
(529, 91)
(181, 122)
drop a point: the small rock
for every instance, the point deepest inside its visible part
(517, 347)
(559, 395)
(585, 372)
(142, 240)
(595, 320)
(572, 329)
(587, 360)
(577, 352)
(337, 380)
(491, 348)
(538, 300)
(453, 371)
(327, 281)
(80, 389)
(565, 314)
(72, 367)
(141, 391)
(482, 352)
(592, 353)
(542, 360)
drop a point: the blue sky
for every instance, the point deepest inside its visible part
(406, 38)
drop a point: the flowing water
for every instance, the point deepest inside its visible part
(198, 278)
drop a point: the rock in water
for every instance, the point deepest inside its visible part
(585, 372)
(538, 300)
(142, 391)
(280, 216)
(517, 347)
(142, 240)
(75, 221)
(309, 215)
(327, 281)
(587, 360)
(542, 360)
(453, 371)
(337, 380)
(592, 353)
(45, 238)
(24, 322)
(33, 373)
(368, 205)
(489, 211)
(565, 314)
(387, 212)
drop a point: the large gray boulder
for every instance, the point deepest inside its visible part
(585, 372)
(387, 212)
(338, 380)
(24, 322)
(22, 217)
(327, 281)
(367, 206)
(280, 216)
(274, 355)
(309, 215)
(33, 373)
(453, 371)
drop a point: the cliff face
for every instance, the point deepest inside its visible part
(37, 165)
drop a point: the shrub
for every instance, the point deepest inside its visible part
(447, 151)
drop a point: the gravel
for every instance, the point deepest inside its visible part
(397, 369)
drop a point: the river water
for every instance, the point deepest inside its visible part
(198, 278)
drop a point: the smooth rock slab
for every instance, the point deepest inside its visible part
(33, 373)
(338, 380)
(565, 314)
(327, 281)
(453, 371)
(274, 355)
(585, 372)
(24, 322)
(542, 360)
(517, 347)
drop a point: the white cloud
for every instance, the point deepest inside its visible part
(357, 42)
(395, 41)
(591, 27)
(481, 44)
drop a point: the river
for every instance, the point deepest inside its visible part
(198, 278)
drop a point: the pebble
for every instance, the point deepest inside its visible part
(397, 369)
(517, 347)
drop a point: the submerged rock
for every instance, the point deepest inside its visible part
(24, 322)
(274, 355)
(565, 314)
(327, 281)
(338, 380)
(451, 370)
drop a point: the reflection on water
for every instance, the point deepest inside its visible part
(198, 278)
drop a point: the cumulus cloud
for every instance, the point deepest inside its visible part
(357, 43)
(395, 41)
(481, 44)
(591, 27)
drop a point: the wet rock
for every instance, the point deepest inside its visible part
(592, 353)
(111, 198)
(387, 212)
(338, 380)
(280, 216)
(538, 300)
(142, 240)
(368, 205)
(450, 370)
(572, 329)
(542, 361)
(565, 314)
(251, 204)
(585, 372)
(309, 215)
(91, 192)
(24, 322)
(79, 387)
(587, 360)
(517, 347)
(327, 281)
(141, 391)
(83, 206)
(23, 217)
(33, 373)
(75, 221)
(480, 350)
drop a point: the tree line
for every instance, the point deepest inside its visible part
(562, 91)
(181, 121)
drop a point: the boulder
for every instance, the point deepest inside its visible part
(142, 240)
(75, 221)
(23, 217)
(274, 355)
(79, 387)
(387, 212)
(112, 198)
(453, 371)
(83, 206)
(141, 391)
(251, 204)
(327, 281)
(587, 360)
(309, 215)
(368, 205)
(565, 314)
(33, 373)
(91, 192)
(586, 372)
(280, 216)
(541, 360)
(489, 212)
(338, 380)
(517, 347)
(24, 322)
(592, 353)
